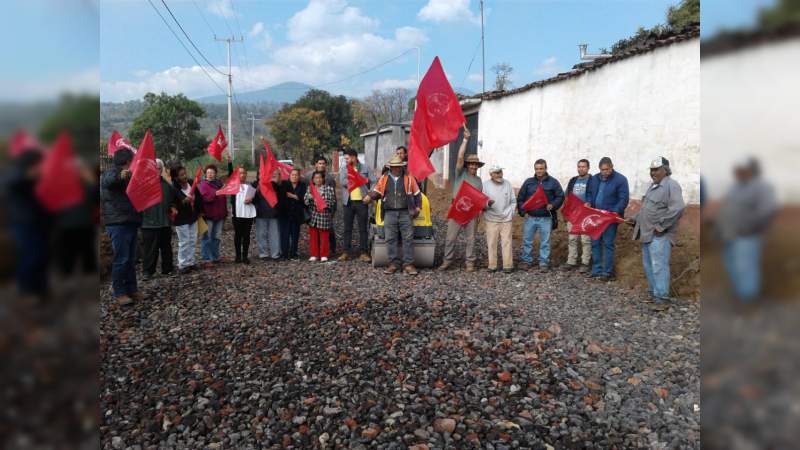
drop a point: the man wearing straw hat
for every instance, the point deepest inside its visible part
(466, 170)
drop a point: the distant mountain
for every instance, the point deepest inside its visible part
(463, 91)
(280, 93)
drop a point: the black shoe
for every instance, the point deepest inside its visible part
(246, 260)
(508, 271)
(567, 267)
(238, 259)
(595, 275)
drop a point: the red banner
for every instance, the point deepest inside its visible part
(116, 142)
(265, 182)
(197, 175)
(318, 200)
(217, 145)
(59, 186)
(587, 220)
(537, 200)
(468, 203)
(144, 189)
(22, 141)
(436, 120)
(354, 179)
(233, 184)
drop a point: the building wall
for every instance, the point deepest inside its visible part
(631, 110)
(750, 108)
(390, 138)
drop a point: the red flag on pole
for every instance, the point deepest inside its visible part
(354, 179)
(318, 200)
(286, 170)
(436, 120)
(468, 203)
(116, 142)
(217, 145)
(144, 189)
(265, 182)
(60, 185)
(233, 184)
(587, 220)
(22, 141)
(537, 200)
(197, 175)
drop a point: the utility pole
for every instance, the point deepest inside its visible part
(483, 56)
(230, 92)
(253, 119)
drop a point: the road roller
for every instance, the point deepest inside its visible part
(424, 241)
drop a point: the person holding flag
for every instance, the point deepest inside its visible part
(466, 170)
(655, 226)
(214, 213)
(320, 198)
(608, 191)
(243, 211)
(401, 201)
(293, 214)
(355, 181)
(268, 236)
(538, 200)
(189, 206)
(157, 232)
(577, 186)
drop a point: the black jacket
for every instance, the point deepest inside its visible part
(187, 214)
(293, 208)
(571, 184)
(552, 190)
(263, 210)
(117, 207)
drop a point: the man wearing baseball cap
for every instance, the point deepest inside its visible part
(498, 215)
(655, 226)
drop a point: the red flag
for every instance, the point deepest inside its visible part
(144, 189)
(22, 141)
(318, 200)
(60, 184)
(197, 175)
(587, 220)
(286, 170)
(233, 184)
(116, 142)
(265, 183)
(436, 120)
(217, 145)
(468, 203)
(537, 200)
(354, 179)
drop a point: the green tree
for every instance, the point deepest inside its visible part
(79, 115)
(684, 14)
(338, 112)
(299, 133)
(784, 12)
(173, 122)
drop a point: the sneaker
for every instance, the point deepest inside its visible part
(491, 269)
(313, 259)
(344, 257)
(263, 256)
(124, 300)
(583, 268)
(509, 270)
(390, 269)
(567, 267)
(445, 265)
(410, 269)
(605, 277)
(324, 259)
(365, 258)
(595, 275)
(544, 268)
(660, 304)
(470, 267)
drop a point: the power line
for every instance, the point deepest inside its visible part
(210, 28)
(184, 46)
(190, 39)
(474, 54)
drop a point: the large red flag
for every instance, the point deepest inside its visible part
(144, 189)
(265, 182)
(587, 220)
(60, 185)
(537, 200)
(217, 145)
(22, 141)
(233, 184)
(354, 179)
(116, 142)
(197, 175)
(318, 200)
(436, 120)
(468, 203)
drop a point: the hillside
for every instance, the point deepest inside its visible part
(280, 93)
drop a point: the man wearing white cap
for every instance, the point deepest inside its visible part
(656, 224)
(498, 215)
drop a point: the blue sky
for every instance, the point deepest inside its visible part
(321, 41)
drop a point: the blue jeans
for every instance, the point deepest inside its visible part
(742, 259)
(655, 258)
(209, 244)
(31, 242)
(268, 231)
(603, 251)
(123, 267)
(543, 225)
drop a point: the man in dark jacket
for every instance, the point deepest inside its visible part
(268, 236)
(189, 205)
(122, 225)
(292, 215)
(157, 232)
(607, 190)
(543, 219)
(355, 210)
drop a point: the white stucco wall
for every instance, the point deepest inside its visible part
(632, 110)
(750, 108)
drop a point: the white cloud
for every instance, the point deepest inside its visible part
(447, 11)
(410, 83)
(256, 30)
(327, 41)
(548, 67)
(261, 38)
(222, 8)
(86, 81)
